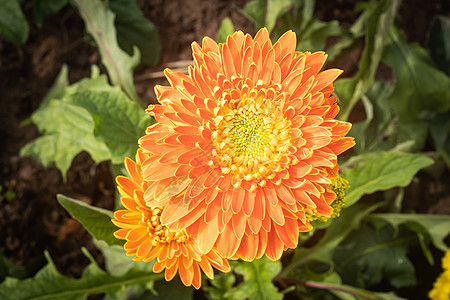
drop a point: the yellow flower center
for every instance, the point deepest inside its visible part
(161, 234)
(251, 137)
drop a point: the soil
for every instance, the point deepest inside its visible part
(32, 220)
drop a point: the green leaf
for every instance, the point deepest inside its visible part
(336, 232)
(49, 284)
(255, 10)
(440, 131)
(13, 25)
(96, 220)
(257, 283)
(117, 262)
(226, 29)
(419, 92)
(382, 130)
(58, 88)
(169, 290)
(276, 8)
(381, 171)
(119, 123)
(221, 284)
(134, 29)
(68, 130)
(437, 226)
(348, 292)
(42, 9)
(439, 43)
(369, 256)
(99, 22)
(380, 18)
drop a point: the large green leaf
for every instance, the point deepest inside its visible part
(336, 232)
(96, 220)
(421, 89)
(436, 226)
(381, 171)
(67, 130)
(257, 283)
(119, 123)
(369, 255)
(13, 25)
(99, 22)
(134, 29)
(381, 130)
(49, 284)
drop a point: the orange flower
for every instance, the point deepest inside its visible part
(148, 239)
(246, 144)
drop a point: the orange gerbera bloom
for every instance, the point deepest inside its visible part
(246, 144)
(148, 239)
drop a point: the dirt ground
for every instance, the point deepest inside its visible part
(33, 221)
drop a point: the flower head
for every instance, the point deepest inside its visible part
(245, 145)
(441, 287)
(148, 239)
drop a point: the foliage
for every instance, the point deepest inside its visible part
(363, 254)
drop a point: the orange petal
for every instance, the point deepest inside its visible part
(274, 246)
(276, 214)
(325, 78)
(207, 235)
(248, 247)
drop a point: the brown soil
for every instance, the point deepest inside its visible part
(33, 221)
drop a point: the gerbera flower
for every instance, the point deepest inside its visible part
(148, 239)
(246, 144)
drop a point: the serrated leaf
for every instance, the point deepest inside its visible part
(96, 220)
(134, 29)
(119, 123)
(49, 284)
(42, 9)
(226, 28)
(99, 22)
(13, 25)
(368, 256)
(381, 171)
(258, 276)
(67, 130)
(419, 92)
(59, 86)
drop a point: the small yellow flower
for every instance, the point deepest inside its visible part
(441, 287)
